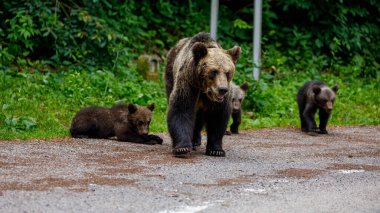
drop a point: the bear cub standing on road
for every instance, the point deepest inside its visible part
(130, 123)
(197, 80)
(238, 95)
(313, 96)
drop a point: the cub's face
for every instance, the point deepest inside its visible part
(325, 98)
(216, 69)
(139, 118)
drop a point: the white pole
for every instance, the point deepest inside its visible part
(257, 39)
(214, 18)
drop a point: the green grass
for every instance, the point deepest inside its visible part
(35, 105)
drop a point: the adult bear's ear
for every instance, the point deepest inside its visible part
(244, 86)
(199, 51)
(335, 88)
(132, 108)
(234, 52)
(316, 90)
(151, 106)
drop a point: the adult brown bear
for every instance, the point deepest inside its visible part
(197, 80)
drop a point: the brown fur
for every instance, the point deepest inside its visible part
(197, 80)
(237, 97)
(126, 122)
(315, 96)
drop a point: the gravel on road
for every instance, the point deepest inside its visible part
(265, 170)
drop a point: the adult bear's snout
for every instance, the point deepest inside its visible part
(222, 90)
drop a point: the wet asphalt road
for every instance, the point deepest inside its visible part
(265, 170)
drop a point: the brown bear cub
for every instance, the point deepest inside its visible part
(313, 96)
(128, 122)
(238, 95)
(197, 80)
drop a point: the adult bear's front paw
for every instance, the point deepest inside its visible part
(216, 153)
(181, 152)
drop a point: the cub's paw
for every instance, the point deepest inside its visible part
(312, 133)
(323, 131)
(150, 142)
(182, 152)
(156, 138)
(228, 133)
(216, 153)
(234, 131)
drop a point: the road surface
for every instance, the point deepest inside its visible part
(265, 170)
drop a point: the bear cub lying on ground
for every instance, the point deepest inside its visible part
(129, 122)
(238, 95)
(313, 96)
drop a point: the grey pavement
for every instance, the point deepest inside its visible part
(265, 170)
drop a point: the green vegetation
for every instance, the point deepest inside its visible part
(59, 56)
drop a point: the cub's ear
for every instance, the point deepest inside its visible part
(234, 52)
(316, 90)
(199, 51)
(335, 88)
(244, 86)
(151, 106)
(132, 108)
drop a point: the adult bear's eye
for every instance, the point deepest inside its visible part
(213, 74)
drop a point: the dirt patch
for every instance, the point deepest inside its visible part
(348, 166)
(300, 173)
(162, 177)
(116, 170)
(44, 184)
(244, 179)
(168, 159)
(287, 145)
(345, 152)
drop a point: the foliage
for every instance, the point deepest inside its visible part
(92, 32)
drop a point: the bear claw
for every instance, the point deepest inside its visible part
(216, 153)
(181, 152)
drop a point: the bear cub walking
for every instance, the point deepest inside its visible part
(313, 96)
(238, 95)
(128, 122)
